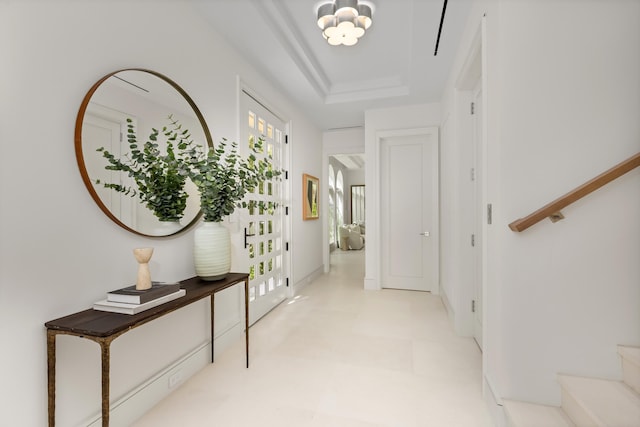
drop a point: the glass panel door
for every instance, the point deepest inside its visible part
(264, 220)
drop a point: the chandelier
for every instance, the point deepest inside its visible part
(344, 21)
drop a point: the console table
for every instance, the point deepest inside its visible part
(104, 327)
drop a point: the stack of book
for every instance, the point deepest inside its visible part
(129, 300)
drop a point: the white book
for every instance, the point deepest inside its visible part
(126, 308)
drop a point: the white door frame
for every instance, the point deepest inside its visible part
(377, 228)
(330, 148)
(477, 200)
(472, 76)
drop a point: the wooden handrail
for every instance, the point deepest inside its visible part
(552, 210)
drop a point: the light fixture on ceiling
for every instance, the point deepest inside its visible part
(344, 21)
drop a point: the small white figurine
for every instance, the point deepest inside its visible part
(143, 255)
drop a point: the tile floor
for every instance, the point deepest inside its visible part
(339, 356)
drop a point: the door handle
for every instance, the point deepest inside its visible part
(425, 233)
(246, 243)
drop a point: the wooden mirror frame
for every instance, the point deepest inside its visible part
(80, 155)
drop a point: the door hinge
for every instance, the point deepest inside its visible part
(473, 174)
(286, 139)
(286, 246)
(489, 213)
(473, 306)
(473, 240)
(286, 174)
(286, 210)
(473, 108)
(287, 282)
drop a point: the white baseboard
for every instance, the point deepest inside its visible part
(140, 400)
(371, 285)
(494, 403)
(447, 306)
(306, 280)
(224, 339)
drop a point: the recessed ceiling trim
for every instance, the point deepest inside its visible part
(292, 40)
(365, 95)
(316, 78)
(354, 161)
(365, 85)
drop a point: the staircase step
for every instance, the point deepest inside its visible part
(524, 414)
(599, 403)
(630, 366)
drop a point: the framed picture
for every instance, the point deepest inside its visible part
(310, 197)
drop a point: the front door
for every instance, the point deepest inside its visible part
(263, 223)
(409, 210)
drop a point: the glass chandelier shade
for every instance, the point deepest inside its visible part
(344, 21)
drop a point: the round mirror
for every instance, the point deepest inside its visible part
(155, 114)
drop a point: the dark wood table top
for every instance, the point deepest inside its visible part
(102, 324)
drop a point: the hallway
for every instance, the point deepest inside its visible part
(339, 356)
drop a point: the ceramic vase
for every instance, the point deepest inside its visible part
(167, 228)
(212, 251)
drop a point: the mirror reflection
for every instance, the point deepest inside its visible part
(357, 204)
(143, 102)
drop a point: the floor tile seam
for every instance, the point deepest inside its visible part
(341, 310)
(407, 375)
(391, 420)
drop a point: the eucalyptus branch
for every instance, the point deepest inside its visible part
(159, 175)
(223, 177)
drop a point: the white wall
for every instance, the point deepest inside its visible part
(307, 235)
(58, 252)
(563, 107)
(574, 119)
(356, 176)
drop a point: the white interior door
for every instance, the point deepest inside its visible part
(477, 208)
(108, 133)
(409, 211)
(264, 222)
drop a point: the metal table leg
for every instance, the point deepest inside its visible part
(106, 361)
(246, 318)
(213, 303)
(51, 376)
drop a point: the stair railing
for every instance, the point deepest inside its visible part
(552, 210)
